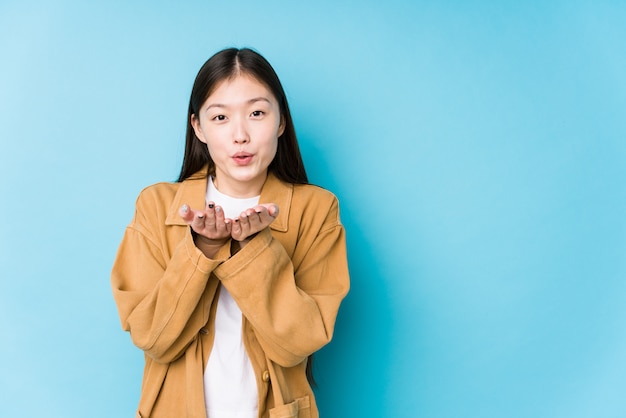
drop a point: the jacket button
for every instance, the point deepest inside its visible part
(266, 376)
(204, 331)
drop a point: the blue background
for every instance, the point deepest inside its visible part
(478, 150)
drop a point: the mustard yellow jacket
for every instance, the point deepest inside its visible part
(288, 282)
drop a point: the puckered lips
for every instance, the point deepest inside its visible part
(242, 158)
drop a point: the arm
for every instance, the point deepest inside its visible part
(291, 303)
(163, 296)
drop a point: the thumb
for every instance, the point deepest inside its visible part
(186, 213)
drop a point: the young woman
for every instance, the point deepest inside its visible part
(232, 277)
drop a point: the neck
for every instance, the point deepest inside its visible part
(238, 189)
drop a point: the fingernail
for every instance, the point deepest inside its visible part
(201, 215)
(185, 208)
(211, 205)
(236, 219)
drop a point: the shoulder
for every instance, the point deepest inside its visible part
(154, 204)
(316, 202)
(192, 188)
(163, 192)
(311, 192)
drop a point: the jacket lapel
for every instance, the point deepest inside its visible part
(280, 193)
(192, 192)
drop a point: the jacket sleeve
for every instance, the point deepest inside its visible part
(161, 298)
(292, 309)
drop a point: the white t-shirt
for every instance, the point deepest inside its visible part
(230, 389)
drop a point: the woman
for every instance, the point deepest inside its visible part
(232, 277)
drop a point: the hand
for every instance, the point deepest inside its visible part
(211, 229)
(253, 220)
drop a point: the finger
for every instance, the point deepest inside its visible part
(186, 213)
(193, 218)
(220, 221)
(264, 215)
(255, 217)
(235, 229)
(228, 226)
(250, 223)
(272, 209)
(210, 216)
(244, 224)
(199, 221)
(260, 209)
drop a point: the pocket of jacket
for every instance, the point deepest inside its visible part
(300, 408)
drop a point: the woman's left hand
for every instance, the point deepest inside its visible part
(253, 220)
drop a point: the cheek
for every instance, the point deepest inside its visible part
(272, 145)
(215, 147)
(269, 138)
(273, 151)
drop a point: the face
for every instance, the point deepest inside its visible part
(240, 123)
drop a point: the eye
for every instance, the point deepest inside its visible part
(257, 113)
(219, 118)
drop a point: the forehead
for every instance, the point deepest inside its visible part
(238, 89)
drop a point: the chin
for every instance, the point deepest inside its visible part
(244, 178)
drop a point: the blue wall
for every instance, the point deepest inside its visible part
(478, 149)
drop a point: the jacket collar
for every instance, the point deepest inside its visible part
(192, 191)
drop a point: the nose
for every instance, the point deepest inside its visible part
(240, 134)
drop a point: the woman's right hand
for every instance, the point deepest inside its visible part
(211, 229)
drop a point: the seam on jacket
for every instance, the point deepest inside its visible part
(250, 259)
(170, 315)
(334, 207)
(158, 331)
(141, 231)
(336, 224)
(195, 258)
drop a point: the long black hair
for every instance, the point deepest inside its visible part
(287, 165)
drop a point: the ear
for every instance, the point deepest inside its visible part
(281, 127)
(197, 128)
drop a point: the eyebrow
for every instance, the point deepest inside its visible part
(251, 101)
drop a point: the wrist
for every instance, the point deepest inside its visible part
(237, 245)
(208, 246)
(248, 238)
(201, 239)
